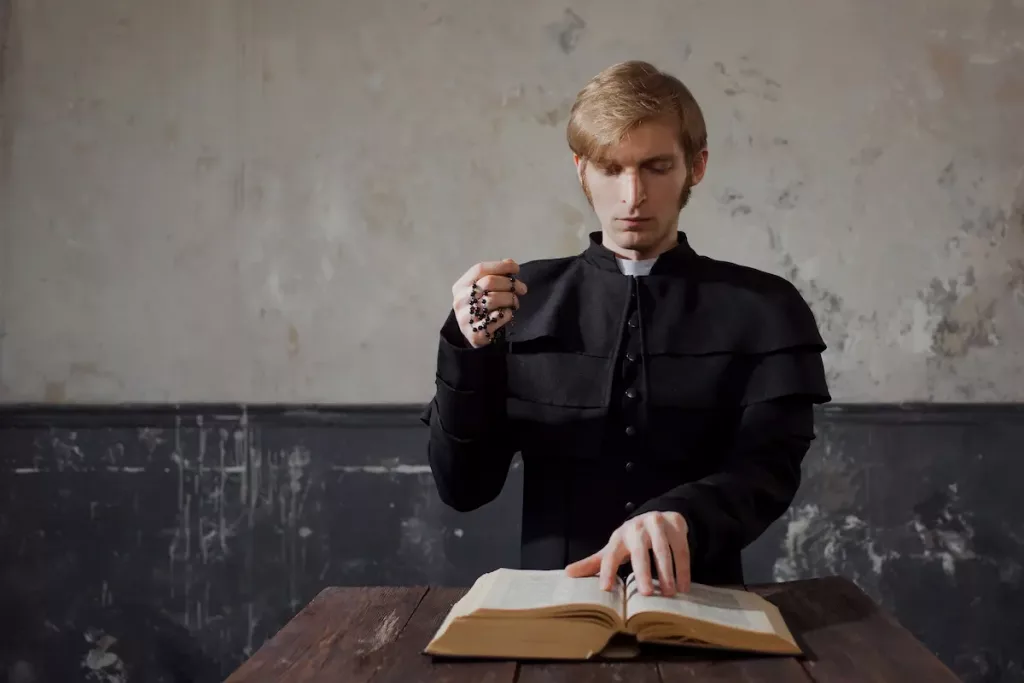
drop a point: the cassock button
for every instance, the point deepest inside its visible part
(630, 507)
(630, 393)
(631, 357)
(629, 467)
(632, 323)
(630, 430)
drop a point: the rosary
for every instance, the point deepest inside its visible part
(479, 316)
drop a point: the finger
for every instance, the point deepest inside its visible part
(483, 312)
(482, 329)
(639, 544)
(676, 530)
(492, 301)
(501, 283)
(656, 529)
(588, 566)
(506, 267)
(614, 555)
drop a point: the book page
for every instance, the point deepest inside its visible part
(516, 589)
(705, 603)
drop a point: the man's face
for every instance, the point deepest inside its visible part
(638, 189)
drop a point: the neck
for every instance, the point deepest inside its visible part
(667, 242)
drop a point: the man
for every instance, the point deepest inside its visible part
(661, 400)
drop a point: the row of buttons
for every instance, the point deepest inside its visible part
(631, 392)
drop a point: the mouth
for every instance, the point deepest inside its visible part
(635, 221)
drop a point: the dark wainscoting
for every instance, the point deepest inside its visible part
(166, 543)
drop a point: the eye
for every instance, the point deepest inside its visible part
(661, 169)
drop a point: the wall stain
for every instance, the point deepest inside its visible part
(568, 30)
(1010, 90)
(733, 201)
(556, 115)
(966, 310)
(55, 392)
(384, 210)
(789, 197)
(948, 65)
(867, 156)
(293, 342)
(947, 179)
(828, 306)
(749, 80)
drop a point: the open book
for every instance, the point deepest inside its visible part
(544, 614)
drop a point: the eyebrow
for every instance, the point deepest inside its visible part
(643, 162)
(658, 158)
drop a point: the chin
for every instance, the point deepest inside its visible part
(636, 239)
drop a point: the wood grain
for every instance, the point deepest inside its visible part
(847, 637)
(588, 672)
(340, 636)
(751, 670)
(378, 634)
(404, 660)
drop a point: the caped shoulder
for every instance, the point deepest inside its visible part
(764, 305)
(547, 269)
(739, 282)
(734, 306)
(747, 282)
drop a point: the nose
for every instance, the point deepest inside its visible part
(633, 193)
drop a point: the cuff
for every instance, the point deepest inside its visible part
(462, 367)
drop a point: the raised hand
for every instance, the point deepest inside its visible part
(485, 299)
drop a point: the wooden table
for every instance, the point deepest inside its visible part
(376, 634)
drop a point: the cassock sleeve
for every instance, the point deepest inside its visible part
(760, 474)
(729, 509)
(470, 445)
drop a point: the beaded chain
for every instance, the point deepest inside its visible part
(479, 315)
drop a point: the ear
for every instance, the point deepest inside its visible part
(700, 165)
(576, 159)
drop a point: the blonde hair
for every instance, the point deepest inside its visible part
(624, 96)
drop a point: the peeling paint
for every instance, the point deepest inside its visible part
(827, 305)
(100, 664)
(942, 533)
(382, 469)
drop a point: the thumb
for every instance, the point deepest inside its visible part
(588, 566)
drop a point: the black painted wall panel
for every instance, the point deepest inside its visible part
(150, 544)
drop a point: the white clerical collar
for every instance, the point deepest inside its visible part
(629, 267)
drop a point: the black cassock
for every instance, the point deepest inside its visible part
(689, 389)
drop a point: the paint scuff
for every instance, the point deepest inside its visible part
(941, 533)
(99, 663)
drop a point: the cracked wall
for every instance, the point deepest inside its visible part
(247, 202)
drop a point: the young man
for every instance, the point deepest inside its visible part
(661, 400)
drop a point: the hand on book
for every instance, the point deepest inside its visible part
(663, 532)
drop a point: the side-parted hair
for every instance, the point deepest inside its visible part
(622, 97)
